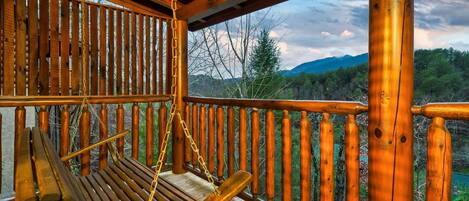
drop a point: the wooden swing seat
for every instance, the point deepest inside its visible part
(41, 174)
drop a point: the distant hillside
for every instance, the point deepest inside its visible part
(327, 64)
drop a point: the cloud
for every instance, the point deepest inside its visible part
(346, 34)
(314, 29)
(431, 14)
(325, 33)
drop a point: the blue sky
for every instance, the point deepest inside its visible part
(313, 29)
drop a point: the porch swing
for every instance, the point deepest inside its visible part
(41, 173)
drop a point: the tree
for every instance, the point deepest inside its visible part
(265, 57)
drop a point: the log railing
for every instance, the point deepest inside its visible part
(218, 115)
(85, 116)
(439, 147)
(232, 152)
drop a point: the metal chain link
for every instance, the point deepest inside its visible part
(172, 113)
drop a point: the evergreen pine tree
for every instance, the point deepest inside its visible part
(265, 57)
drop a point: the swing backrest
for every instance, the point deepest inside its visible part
(53, 180)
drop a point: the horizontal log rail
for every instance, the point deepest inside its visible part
(334, 107)
(14, 101)
(454, 111)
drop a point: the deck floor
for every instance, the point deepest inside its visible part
(195, 186)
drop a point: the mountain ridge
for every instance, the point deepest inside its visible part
(327, 64)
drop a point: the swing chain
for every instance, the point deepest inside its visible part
(173, 112)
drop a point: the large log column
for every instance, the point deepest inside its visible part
(390, 99)
(181, 91)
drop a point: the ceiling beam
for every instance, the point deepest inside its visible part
(144, 7)
(199, 9)
(233, 12)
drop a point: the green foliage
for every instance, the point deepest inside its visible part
(264, 80)
(265, 56)
(440, 75)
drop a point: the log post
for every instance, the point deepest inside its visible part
(181, 91)
(390, 100)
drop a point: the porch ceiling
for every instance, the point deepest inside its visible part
(204, 13)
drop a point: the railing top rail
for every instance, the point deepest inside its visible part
(336, 107)
(13, 101)
(455, 111)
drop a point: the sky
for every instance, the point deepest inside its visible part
(314, 29)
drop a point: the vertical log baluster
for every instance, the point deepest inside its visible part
(242, 139)
(54, 47)
(102, 50)
(85, 75)
(133, 55)
(126, 53)
(203, 132)
(162, 116)
(305, 157)
(43, 45)
(149, 139)
(154, 83)
(270, 154)
(110, 71)
(255, 127)
(211, 139)
(160, 57)
(103, 134)
(140, 42)
(231, 140)
(21, 48)
(352, 162)
(195, 131)
(220, 142)
(286, 157)
(439, 161)
(65, 132)
(187, 144)
(169, 56)
(120, 127)
(135, 130)
(119, 70)
(85, 141)
(64, 48)
(94, 49)
(75, 78)
(43, 119)
(20, 124)
(147, 56)
(33, 47)
(326, 144)
(8, 27)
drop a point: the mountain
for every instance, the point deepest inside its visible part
(327, 64)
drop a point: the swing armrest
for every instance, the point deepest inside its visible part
(231, 187)
(104, 141)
